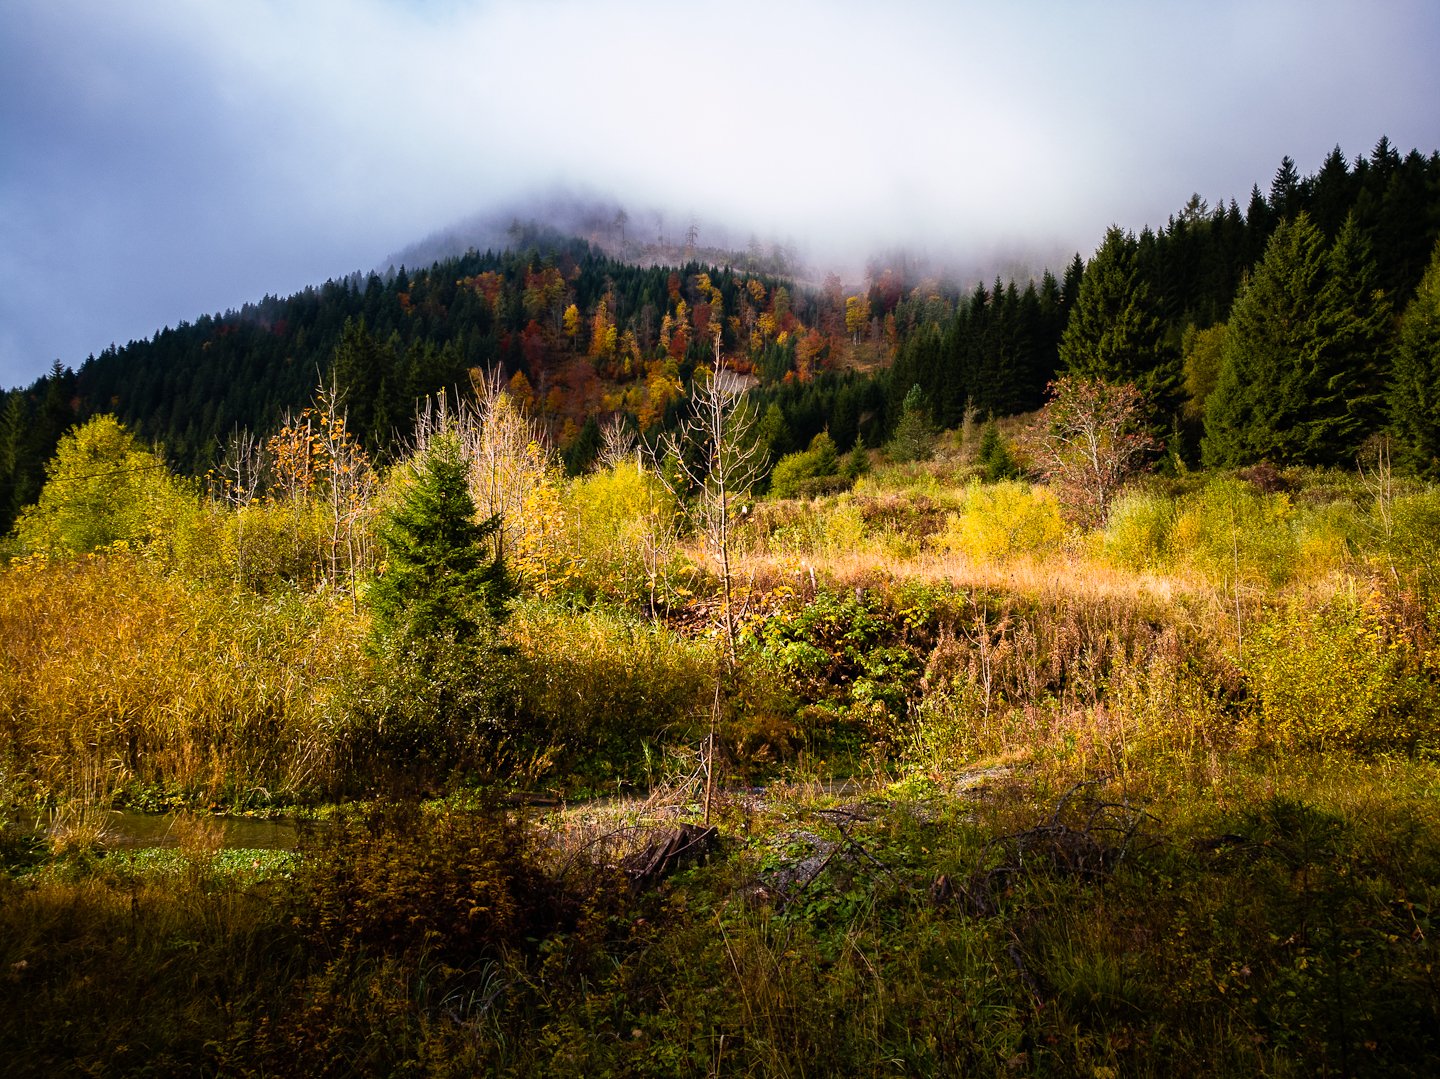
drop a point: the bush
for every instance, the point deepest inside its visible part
(459, 884)
(1138, 532)
(1413, 545)
(1339, 676)
(605, 687)
(814, 472)
(849, 655)
(1229, 531)
(1002, 521)
(618, 535)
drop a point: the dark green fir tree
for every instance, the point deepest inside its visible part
(1115, 333)
(1298, 374)
(439, 578)
(1414, 393)
(439, 706)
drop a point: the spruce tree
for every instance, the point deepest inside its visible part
(1114, 333)
(439, 580)
(1414, 393)
(438, 705)
(1357, 323)
(1285, 189)
(914, 438)
(1297, 380)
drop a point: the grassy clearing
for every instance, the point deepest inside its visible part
(1156, 799)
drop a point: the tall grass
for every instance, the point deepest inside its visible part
(608, 690)
(208, 693)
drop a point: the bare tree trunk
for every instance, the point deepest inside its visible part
(720, 429)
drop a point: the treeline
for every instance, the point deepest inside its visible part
(1156, 310)
(1191, 314)
(574, 332)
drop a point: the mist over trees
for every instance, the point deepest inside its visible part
(1188, 313)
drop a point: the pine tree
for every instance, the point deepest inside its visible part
(12, 426)
(1414, 397)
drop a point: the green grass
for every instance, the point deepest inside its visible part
(1245, 915)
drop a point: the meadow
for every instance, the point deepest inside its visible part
(994, 791)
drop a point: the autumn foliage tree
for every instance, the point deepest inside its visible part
(101, 488)
(1089, 438)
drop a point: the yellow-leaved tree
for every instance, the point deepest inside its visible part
(103, 488)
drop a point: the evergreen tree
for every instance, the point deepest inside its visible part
(914, 437)
(1415, 378)
(580, 455)
(1357, 321)
(1115, 334)
(439, 579)
(1332, 193)
(12, 427)
(1285, 190)
(439, 702)
(995, 459)
(1289, 389)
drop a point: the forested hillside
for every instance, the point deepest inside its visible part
(1184, 312)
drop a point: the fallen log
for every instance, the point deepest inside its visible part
(665, 854)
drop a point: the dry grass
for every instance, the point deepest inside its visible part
(208, 691)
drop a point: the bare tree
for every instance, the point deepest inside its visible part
(350, 485)
(618, 444)
(237, 483)
(710, 464)
(507, 453)
(1088, 440)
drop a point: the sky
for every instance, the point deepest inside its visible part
(164, 159)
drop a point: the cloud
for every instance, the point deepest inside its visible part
(181, 156)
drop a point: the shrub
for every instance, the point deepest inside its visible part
(618, 535)
(1412, 548)
(1230, 532)
(604, 686)
(1138, 532)
(1339, 676)
(848, 654)
(815, 471)
(460, 885)
(1002, 521)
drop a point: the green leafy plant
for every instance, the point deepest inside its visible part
(1340, 675)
